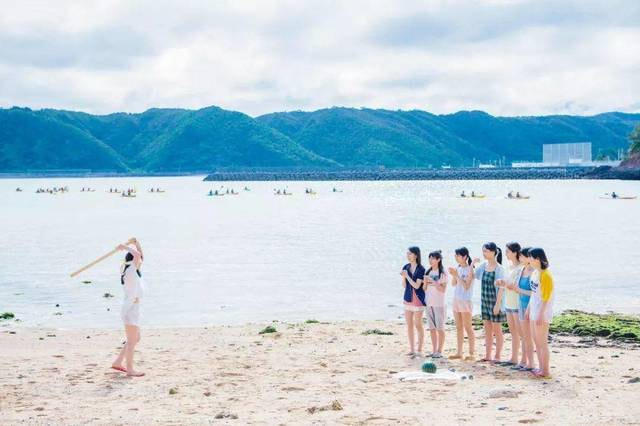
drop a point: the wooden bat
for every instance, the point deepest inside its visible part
(98, 260)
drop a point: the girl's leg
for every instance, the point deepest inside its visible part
(527, 344)
(488, 339)
(133, 336)
(532, 326)
(542, 332)
(471, 335)
(497, 331)
(459, 332)
(408, 316)
(440, 341)
(514, 330)
(417, 322)
(118, 361)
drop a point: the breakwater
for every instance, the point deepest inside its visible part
(401, 174)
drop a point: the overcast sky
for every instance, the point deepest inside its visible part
(505, 57)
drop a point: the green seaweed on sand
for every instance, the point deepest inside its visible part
(379, 332)
(7, 315)
(625, 328)
(268, 329)
(312, 321)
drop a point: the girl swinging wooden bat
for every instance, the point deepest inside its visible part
(131, 279)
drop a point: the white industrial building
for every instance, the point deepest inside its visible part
(566, 155)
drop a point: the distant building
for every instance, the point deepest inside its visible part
(566, 153)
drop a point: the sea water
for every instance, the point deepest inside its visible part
(256, 257)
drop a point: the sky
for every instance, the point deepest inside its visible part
(505, 57)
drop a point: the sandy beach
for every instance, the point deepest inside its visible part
(303, 374)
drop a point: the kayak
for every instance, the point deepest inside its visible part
(288, 193)
(475, 196)
(618, 198)
(518, 198)
(215, 195)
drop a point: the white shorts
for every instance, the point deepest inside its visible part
(130, 314)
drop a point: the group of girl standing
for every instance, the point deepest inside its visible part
(521, 295)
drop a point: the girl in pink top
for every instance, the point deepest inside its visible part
(435, 282)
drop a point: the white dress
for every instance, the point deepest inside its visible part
(133, 288)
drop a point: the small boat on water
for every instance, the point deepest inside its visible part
(128, 195)
(472, 195)
(618, 197)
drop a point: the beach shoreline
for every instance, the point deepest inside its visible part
(323, 373)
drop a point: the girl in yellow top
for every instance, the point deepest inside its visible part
(540, 311)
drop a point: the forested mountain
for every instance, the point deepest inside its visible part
(180, 140)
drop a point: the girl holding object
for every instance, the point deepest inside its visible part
(490, 273)
(523, 288)
(131, 279)
(435, 281)
(512, 302)
(540, 311)
(414, 299)
(462, 281)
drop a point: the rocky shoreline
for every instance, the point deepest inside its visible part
(225, 175)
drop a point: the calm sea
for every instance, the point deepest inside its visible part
(258, 257)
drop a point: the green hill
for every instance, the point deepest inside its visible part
(180, 140)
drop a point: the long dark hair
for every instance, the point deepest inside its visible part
(127, 259)
(416, 250)
(494, 248)
(464, 252)
(525, 251)
(515, 248)
(437, 255)
(539, 254)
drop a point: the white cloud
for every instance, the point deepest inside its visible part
(505, 57)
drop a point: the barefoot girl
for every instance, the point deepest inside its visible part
(435, 281)
(512, 301)
(541, 308)
(523, 288)
(414, 303)
(131, 279)
(493, 316)
(462, 281)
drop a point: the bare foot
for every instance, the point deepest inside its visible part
(119, 368)
(134, 373)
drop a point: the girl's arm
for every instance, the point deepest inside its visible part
(442, 283)
(454, 277)
(498, 305)
(469, 281)
(137, 255)
(415, 284)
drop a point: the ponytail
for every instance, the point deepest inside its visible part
(515, 248)
(494, 248)
(464, 252)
